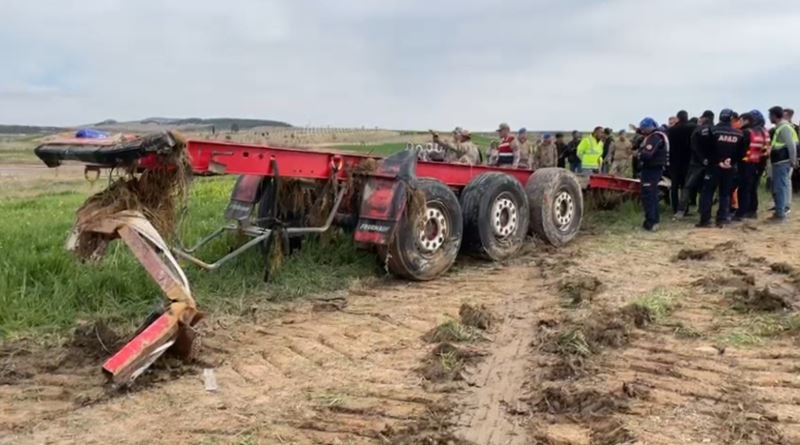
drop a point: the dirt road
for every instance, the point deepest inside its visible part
(568, 360)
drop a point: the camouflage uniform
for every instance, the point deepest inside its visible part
(621, 155)
(546, 155)
(527, 154)
(470, 153)
(465, 152)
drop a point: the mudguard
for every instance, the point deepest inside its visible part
(384, 198)
(246, 194)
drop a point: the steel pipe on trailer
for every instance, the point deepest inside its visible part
(259, 235)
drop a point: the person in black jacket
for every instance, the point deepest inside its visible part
(653, 153)
(561, 149)
(571, 152)
(680, 152)
(609, 139)
(722, 145)
(697, 161)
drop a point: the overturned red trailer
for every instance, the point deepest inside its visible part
(416, 215)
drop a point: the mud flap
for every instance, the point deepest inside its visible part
(244, 197)
(384, 199)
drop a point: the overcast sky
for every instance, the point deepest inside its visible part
(394, 63)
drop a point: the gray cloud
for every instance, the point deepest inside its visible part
(398, 64)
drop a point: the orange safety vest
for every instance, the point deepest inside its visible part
(759, 140)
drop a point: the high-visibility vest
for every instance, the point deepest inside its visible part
(759, 138)
(780, 152)
(590, 150)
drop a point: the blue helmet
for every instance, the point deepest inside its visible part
(648, 123)
(758, 118)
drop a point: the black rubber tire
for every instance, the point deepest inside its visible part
(404, 257)
(544, 188)
(477, 201)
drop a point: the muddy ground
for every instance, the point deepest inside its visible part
(680, 337)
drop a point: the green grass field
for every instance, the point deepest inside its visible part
(44, 289)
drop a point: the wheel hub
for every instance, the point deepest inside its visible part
(564, 209)
(434, 230)
(504, 217)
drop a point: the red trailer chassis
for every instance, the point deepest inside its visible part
(415, 214)
(258, 161)
(244, 159)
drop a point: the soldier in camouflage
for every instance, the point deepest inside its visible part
(462, 151)
(546, 154)
(526, 150)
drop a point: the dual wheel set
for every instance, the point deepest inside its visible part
(491, 218)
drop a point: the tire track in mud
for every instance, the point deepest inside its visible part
(307, 377)
(665, 389)
(492, 411)
(352, 375)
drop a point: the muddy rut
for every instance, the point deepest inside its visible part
(569, 359)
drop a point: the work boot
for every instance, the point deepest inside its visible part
(703, 225)
(775, 219)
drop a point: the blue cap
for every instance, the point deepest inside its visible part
(547, 136)
(726, 115)
(648, 123)
(523, 130)
(757, 116)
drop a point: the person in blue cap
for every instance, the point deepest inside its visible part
(652, 160)
(724, 146)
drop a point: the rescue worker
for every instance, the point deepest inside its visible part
(621, 154)
(561, 150)
(722, 145)
(572, 152)
(783, 158)
(680, 147)
(546, 153)
(653, 154)
(590, 151)
(508, 152)
(750, 170)
(527, 152)
(697, 162)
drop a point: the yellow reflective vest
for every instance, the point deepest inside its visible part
(590, 152)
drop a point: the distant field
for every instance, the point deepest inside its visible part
(18, 148)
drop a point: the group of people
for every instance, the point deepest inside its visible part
(598, 151)
(514, 150)
(723, 160)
